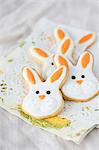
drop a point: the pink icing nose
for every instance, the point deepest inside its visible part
(41, 97)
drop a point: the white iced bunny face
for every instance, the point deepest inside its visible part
(44, 99)
(45, 59)
(82, 85)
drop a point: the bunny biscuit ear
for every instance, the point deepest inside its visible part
(86, 41)
(59, 60)
(83, 43)
(39, 54)
(60, 33)
(66, 47)
(86, 60)
(89, 38)
(58, 76)
(30, 76)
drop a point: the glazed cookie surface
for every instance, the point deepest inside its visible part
(44, 99)
(82, 85)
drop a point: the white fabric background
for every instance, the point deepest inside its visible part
(17, 19)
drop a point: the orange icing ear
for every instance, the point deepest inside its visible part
(85, 60)
(65, 46)
(56, 75)
(61, 34)
(41, 52)
(62, 61)
(30, 76)
(85, 38)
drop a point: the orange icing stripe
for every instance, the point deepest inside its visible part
(79, 81)
(61, 34)
(56, 75)
(30, 76)
(62, 61)
(41, 52)
(41, 97)
(85, 60)
(65, 46)
(85, 38)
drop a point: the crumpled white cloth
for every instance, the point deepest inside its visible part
(17, 19)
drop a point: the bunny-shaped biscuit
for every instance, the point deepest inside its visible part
(44, 99)
(81, 85)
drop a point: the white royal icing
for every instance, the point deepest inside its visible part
(42, 108)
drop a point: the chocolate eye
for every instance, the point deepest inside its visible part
(52, 63)
(83, 76)
(37, 92)
(48, 92)
(73, 77)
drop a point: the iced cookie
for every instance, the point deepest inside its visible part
(81, 85)
(44, 98)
